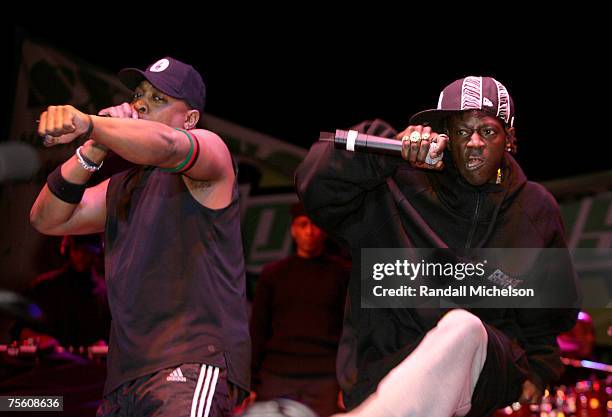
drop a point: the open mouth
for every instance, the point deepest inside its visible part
(474, 162)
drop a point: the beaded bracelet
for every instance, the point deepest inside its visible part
(87, 163)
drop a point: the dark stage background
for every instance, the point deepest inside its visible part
(292, 80)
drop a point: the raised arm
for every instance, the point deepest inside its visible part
(333, 183)
(142, 142)
(69, 208)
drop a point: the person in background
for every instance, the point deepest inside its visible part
(72, 299)
(296, 321)
(578, 343)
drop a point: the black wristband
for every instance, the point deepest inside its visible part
(64, 190)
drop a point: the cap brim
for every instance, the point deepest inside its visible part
(435, 117)
(131, 77)
(431, 117)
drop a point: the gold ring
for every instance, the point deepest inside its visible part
(415, 136)
(425, 136)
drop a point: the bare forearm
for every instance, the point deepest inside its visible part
(142, 142)
(49, 212)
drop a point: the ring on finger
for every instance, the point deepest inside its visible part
(425, 136)
(415, 136)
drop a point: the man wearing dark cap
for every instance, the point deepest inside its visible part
(179, 341)
(296, 321)
(467, 193)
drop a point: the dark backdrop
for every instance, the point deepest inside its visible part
(289, 83)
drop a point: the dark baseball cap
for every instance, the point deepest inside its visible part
(172, 77)
(470, 93)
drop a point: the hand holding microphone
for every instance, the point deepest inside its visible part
(417, 145)
(122, 111)
(422, 147)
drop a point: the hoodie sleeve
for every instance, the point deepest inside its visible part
(333, 183)
(540, 327)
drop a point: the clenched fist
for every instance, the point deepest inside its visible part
(63, 124)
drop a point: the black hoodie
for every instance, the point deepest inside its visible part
(370, 201)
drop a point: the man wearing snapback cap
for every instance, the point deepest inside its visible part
(467, 193)
(179, 341)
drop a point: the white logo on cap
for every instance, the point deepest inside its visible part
(160, 65)
(487, 102)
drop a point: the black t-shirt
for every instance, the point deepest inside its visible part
(297, 315)
(175, 278)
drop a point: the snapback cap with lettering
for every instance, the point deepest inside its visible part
(470, 93)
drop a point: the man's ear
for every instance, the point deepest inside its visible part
(191, 119)
(510, 145)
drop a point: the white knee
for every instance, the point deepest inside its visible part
(464, 325)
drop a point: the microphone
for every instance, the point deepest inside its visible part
(351, 140)
(18, 161)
